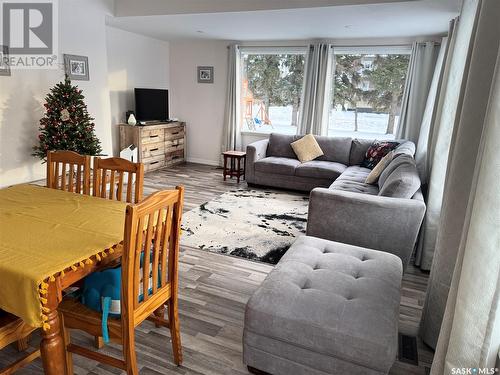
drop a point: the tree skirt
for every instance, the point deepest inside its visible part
(254, 224)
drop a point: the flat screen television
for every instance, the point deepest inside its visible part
(151, 104)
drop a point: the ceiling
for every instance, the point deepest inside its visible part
(195, 19)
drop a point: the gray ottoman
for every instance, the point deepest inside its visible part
(327, 308)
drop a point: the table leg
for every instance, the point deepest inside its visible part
(225, 167)
(52, 347)
(244, 167)
(238, 173)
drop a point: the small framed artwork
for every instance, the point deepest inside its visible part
(77, 67)
(4, 61)
(205, 74)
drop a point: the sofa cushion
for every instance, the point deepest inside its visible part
(306, 148)
(354, 186)
(279, 145)
(358, 150)
(335, 149)
(334, 299)
(376, 152)
(355, 173)
(320, 169)
(405, 148)
(277, 165)
(403, 182)
(372, 178)
(396, 162)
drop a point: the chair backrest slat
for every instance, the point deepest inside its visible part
(165, 235)
(110, 172)
(61, 174)
(71, 176)
(151, 247)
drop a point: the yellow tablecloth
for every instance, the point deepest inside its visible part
(44, 232)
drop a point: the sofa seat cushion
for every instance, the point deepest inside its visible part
(332, 298)
(355, 187)
(277, 165)
(353, 179)
(320, 169)
(355, 173)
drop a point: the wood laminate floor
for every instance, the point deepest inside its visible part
(213, 292)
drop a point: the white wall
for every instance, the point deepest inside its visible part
(133, 61)
(201, 105)
(81, 32)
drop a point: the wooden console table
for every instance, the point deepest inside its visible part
(159, 145)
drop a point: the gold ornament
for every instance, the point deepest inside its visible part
(64, 115)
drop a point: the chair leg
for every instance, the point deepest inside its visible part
(175, 332)
(23, 344)
(98, 342)
(67, 340)
(129, 350)
(160, 313)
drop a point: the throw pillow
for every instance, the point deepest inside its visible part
(379, 168)
(376, 152)
(306, 148)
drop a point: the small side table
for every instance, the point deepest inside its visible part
(235, 168)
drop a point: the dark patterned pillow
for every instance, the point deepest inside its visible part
(376, 152)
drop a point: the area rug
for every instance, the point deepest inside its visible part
(254, 224)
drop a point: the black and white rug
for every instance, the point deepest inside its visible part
(254, 224)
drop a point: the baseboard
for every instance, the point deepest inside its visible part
(215, 163)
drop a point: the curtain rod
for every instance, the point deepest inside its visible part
(338, 45)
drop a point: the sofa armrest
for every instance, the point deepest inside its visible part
(371, 221)
(255, 151)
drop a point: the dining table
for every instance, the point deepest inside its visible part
(49, 240)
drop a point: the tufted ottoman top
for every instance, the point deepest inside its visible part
(332, 298)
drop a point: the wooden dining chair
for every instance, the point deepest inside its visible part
(112, 171)
(68, 171)
(13, 329)
(150, 247)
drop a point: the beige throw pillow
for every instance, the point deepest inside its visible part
(306, 148)
(372, 178)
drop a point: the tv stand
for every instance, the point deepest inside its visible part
(160, 145)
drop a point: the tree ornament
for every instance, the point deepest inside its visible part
(64, 115)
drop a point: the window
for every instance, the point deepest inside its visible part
(367, 93)
(271, 82)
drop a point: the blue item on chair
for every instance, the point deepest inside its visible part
(102, 292)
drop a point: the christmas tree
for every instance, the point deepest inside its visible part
(66, 125)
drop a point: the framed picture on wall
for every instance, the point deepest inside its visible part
(77, 67)
(4, 61)
(205, 74)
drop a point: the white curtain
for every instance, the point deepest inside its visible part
(450, 96)
(428, 118)
(231, 135)
(459, 252)
(317, 90)
(418, 82)
(470, 333)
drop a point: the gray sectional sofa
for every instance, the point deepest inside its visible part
(342, 207)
